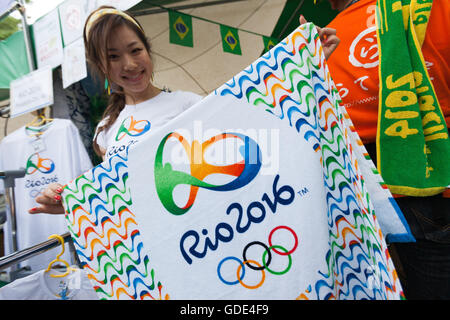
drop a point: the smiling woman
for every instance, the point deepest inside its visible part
(119, 54)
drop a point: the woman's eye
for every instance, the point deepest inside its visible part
(136, 50)
(113, 57)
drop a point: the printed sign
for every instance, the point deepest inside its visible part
(48, 41)
(72, 14)
(74, 65)
(32, 92)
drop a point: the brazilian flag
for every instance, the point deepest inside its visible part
(269, 43)
(181, 29)
(230, 40)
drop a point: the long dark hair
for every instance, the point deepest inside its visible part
(96, 46)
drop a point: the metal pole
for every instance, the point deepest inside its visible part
(8, 178)
(26, 35)
(11, 200)
(25, 254)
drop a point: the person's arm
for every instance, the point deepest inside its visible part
(328, 37)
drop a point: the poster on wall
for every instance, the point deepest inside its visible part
(74, 65)
(72, 15)
(255, 192)
(48, 41)
(31, 92)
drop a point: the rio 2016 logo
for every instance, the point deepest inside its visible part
(132, 128)
(167, 179)
(36, 163)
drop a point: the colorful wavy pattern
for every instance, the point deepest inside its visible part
(106, 234)
(292, 82)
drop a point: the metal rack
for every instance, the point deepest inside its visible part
(25, 254)
(12, 260)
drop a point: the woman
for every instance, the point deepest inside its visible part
(118, 51)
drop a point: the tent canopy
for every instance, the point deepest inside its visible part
(320, 14)
(13, 59)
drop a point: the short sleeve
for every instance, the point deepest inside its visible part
(100, 137)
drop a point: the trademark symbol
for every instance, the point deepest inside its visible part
(303, 192)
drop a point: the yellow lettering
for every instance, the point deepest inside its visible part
(431, 130)
(426, 103)
(413, 79)
(423, 7)
(421, 19)
(422, 89)
(429, 117)
(400, 98)
(400, 129)
(428, 170)
(401, 114)
(418, 78)
(405, 13)
(436, 136)
(427, 151)
(397, 5)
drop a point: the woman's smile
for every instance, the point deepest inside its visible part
(135, 77)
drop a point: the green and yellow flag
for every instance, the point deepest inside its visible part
(230, 40)
(181, 32)
(269, 43)
(413, 146)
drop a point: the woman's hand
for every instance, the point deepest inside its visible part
(327, 36)
(49, 200)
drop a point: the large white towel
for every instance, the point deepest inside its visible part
(253, 193)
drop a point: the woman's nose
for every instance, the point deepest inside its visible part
(129, 63)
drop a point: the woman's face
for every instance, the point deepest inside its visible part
(130, 65)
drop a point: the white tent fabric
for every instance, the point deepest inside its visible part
(205, 67)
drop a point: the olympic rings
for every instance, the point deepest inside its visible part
(258, 284)
(266, 259)
(240, 265)
(295, 236)
(266, 266)
(244, 255)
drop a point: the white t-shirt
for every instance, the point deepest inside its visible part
(135, 121)
(59, 156)
(41, 286)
